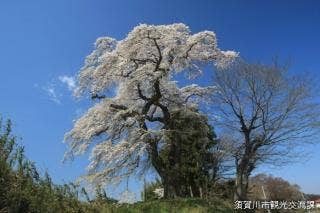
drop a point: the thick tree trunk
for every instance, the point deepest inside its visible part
(169, 190)
(180, 162)
(172, 187)
(170, 179)
(241, 186)
(244, 165)
(174, 183)
(244, 169)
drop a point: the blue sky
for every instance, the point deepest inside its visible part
(41, 41)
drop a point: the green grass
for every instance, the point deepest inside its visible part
(173, 206)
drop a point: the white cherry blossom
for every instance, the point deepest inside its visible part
(121, 129)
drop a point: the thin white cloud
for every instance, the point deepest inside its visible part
(52, 94)
(69, 81)
(58, 88)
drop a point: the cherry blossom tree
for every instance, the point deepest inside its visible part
(126, 131)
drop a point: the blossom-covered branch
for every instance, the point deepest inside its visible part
(142, 66)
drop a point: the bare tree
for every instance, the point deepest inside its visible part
(267, 113)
